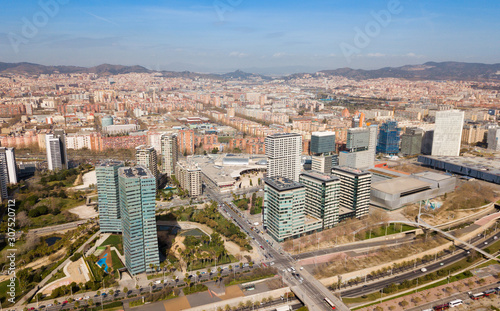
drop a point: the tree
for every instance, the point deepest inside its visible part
(77, 304)
(215, 150)
(403, 303)
(91, 302)
(125, 289)
(111, 292)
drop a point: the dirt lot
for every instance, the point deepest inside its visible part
(84, 212)
(177, 304)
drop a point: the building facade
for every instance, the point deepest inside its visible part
(189, 177)
(109, 196)
(146, 156)
(448, 133)
(283, 153)
(137, 188)
(354, 189)
(388, 138)
(169, 155)
(361, 146)
(411, 141)
(322, 197)
(57, 158)
(8, 164)
(493, 138)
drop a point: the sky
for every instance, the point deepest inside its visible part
(259, 36)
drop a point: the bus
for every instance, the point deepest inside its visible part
(330, 303)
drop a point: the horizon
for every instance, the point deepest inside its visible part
(269, 38)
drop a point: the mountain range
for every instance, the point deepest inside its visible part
(426, 71)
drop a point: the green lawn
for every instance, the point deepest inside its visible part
(380, 231)
(194, 289)
(4, 289)
(114, 240)
(115, 261)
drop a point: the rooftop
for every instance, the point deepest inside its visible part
(400, 185)
(282, 183)
(350, 170)
(323, 133)
(138, 171)
(281, 135)
(490, 165)
(320, 176)
(109, 163)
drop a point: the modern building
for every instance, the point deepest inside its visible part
(483, 168)
(137, 188)
(361, 146)
(169, 154)
(322, 150)
(493, 137)
(395, 193)
(411, 141)
(106, 121)
(283, 153)
(427, 140)
(388, 138)
(108, 196)
(473, 133)
(322, 197)
(354, 190)
(146, 156)
(57, 158)
(8, 164)
(284, 209)
(448, 133)
(189, 177)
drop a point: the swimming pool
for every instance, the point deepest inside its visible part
(102, 262)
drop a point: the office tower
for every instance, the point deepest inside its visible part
(283, 153)
(427, 140)
(8, 164)
(322, 149)
(388, 138)
(189, 177)
(146, 156)
(493, 137)
(57, 157)
(108, 196)
(361, 145)
(284, 215)
(322, 197)
(169, 155)
(354, 189)
(411, 141)
(358, 120)
(137, 187)
(448, 133)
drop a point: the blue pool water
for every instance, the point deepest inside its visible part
(102, 261)
(169, 188)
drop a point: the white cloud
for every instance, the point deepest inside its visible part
(375, 55)
(278, 55)
(238, 54)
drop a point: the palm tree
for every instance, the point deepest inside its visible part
(250, 264)
(77, 304)
(137, 287)
(198, 276)
(90, 302)
(111, 292)
(125, 289)
(150, 287)
(241, 265)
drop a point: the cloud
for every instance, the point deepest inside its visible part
(279, 55)
(238, 54)
(375, 55)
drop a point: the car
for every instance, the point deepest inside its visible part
(103, 294)
(272, 263)
(86, 297)
(485, 242)
(423, 270)
(301, 268)
(49, 305)
(495, 237)
(65, 302)
(289, 270)
(79, 299)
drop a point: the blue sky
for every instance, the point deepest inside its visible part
(265, 36)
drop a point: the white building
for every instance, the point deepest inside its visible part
(448, 133)
(493, 137)
(189, 177)
(57, 158)
(78, 141)
(146, 156)
(169, 155)
(283, 153)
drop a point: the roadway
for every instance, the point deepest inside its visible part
(416, 272)
(309, 290)
(66, 226)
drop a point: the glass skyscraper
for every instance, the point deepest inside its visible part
(108, 196)
(388, 138)
(137, 187)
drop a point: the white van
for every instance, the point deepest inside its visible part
(455, 303)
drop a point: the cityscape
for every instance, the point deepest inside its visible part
(181, 156)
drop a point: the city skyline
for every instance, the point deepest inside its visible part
(223, 36)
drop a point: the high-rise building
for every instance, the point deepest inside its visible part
(8, 164)
(388, 138)
(493, 137)
(283, 153)
(57, 158)
(361, 145)
(322, 197)
(137, 187)
(284, 213)
(146, 156)
(322, 142)
(354, 189)
(473, 133)
(169, 156)
(448, 133)
(322, 150)
(185, 142)
(427, 140)
(108, 196)
(411, 141)
(189, 177)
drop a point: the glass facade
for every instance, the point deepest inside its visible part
(388, 139)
